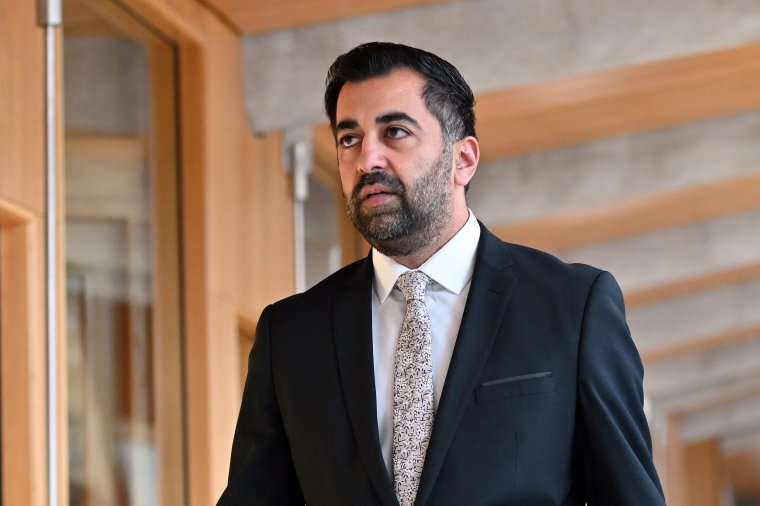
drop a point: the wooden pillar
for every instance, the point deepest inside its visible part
(673, 476)
(704, 473)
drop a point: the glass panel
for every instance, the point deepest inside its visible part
(321, 232)
(122, 305)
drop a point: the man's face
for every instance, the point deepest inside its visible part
(395, 170)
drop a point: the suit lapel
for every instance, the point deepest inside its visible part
(353, 344)
(491, 286)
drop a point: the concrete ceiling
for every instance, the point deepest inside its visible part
(263, 16)
(618, 134)
(496, 44)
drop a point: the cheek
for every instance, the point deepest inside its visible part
(347, 180)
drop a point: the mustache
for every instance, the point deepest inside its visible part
(391, 182)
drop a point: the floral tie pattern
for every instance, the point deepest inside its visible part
(412, 389)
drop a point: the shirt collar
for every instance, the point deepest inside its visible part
(451, 266)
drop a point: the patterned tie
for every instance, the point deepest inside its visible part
(412, 389)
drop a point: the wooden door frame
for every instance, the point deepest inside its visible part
(22, 242)
(214, 299)
(204, 43)
(22, 353)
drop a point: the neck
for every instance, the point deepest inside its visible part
(415, 259)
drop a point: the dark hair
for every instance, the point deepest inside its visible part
(446, 94)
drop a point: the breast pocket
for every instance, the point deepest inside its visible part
(514, 386)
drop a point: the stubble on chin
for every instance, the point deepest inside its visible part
(411, 222)
(385, 226)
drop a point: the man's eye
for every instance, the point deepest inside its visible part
(348, 141)
(397, 133)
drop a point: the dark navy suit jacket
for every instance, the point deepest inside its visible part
(542, 403)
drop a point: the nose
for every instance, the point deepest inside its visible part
(372, 155)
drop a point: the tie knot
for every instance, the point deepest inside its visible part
(413, 284)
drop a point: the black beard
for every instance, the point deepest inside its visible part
(415, 220)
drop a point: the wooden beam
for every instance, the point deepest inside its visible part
(684, 287)
(693, 400)
(602, 104)
(573, 229)
(701, 344)
(259, 16)
(730, 396)
(95, 18)
(83, 21)
(579, 109)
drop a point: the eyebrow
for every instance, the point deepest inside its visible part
(350, 124)
(347, 124)
(398, 116)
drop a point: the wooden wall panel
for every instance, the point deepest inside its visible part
(22, 120)
(232, 156)
(22, 312)
(267, 239)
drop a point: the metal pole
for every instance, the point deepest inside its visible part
(300, 245)
(51, 248)
(50, 17)
(301, 166)
(297, 155)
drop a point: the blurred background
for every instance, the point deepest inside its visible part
(196, 183)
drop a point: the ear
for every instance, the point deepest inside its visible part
(466, 156)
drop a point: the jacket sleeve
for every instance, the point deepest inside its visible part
(261, 467)
(613, 435)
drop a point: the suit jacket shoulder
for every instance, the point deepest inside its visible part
(537, 268)
(351, 275)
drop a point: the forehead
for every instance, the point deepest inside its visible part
(400, 90)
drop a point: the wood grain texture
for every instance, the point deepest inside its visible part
(578, 109)
(22, 105)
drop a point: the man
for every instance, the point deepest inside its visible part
(498, 376)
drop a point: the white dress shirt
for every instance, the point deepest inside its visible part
(451, 269)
